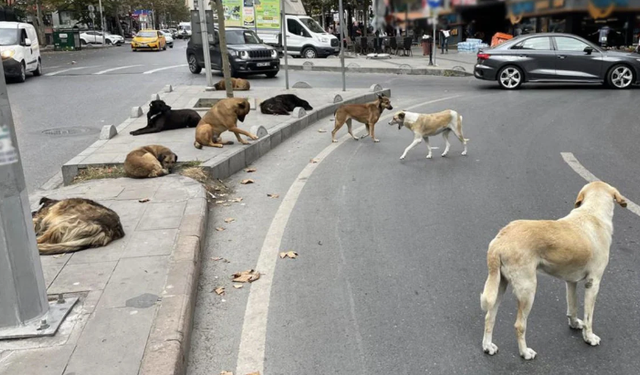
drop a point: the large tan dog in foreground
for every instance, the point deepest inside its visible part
(424, 126)
(368, 114)
(223, 116)
(74, 224)
(574, 248)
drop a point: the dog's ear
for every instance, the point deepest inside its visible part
(580, 199)
(619, 199)
(161, 157)
(175, 158)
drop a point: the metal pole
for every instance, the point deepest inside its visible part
(434, 46)
(283, 27)
(255, 18)
(341, 20)
(204, 34)
(101, 21)
(22, 290)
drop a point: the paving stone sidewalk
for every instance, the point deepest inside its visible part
(136, 294)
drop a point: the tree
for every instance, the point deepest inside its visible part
(223, 49)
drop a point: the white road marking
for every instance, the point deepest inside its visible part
(590, 177)
(68, 70)
(165, 68)
(113, 69)
(254, 330)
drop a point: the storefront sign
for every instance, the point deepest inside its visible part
(265, 13)
(604, 8)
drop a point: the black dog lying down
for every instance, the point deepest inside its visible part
(283, 104)
(161, 117)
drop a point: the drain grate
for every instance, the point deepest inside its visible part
(64, 132)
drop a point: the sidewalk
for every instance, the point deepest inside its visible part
(451, 64)
(136, 294)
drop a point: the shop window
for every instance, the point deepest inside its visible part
(536, 44)
(570, 44)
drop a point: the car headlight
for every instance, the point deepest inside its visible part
(8, 53)
(323, 40)
(233, 53)
(274, 53)
(244, 55)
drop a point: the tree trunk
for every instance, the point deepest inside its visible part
(118, 24)
(223, 50)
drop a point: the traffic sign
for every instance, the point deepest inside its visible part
(434, 3)
(91, 8)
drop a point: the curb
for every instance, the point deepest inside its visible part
(169, 341)
(399, 70)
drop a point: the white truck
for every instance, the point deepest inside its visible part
(305, 38)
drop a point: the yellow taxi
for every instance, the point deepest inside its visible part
(149, 39)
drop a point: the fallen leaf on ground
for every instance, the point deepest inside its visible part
(289, 254)
(219, 291)
(226, 373)
(144, 200)
(229, 220)
(220, 202)
(236, 200)
(238, 286)
(255, 373)
(314, 161)
(219, 229)
(274, 196)
(247, 181)
(321, 131)
(248, 276)
(250, 170)
(217, 259)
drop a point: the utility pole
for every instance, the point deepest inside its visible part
(283, 27)
(204, 35)
(223, 50)
(341, 20)
(101, 21)
(24, 309)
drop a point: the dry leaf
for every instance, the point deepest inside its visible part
(226, 373)
(220, 202)
(321, 131)
(219, 229)
(255, 373)
(250, 170)
(247, 181)
(274, 196)
(238, 286)
(144, 200)
(289, 254)
(314, 161)
(236, 200)
(248, 276)
(229, 220)
(219, 291)
(216, 259)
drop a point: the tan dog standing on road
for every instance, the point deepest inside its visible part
(574, 248)
(368, 114)
(424, 126)
(149, 161)
(223, 116)
(238, 84)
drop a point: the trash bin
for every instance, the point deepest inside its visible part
(66, 39)
(427, 45)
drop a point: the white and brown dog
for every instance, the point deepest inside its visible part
(574, 248)
(424, 126)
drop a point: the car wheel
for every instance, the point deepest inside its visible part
(83, 42)
(108, 42)
(271, 74)
(510, 77)
(193, 64)
(38, 71)
(23, 73)
(620, 77)
(134, 50)
(309, 53)
(171, 45)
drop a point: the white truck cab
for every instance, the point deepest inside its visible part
(20, 50)
(305, 38)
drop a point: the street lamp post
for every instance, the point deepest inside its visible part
(101, 21)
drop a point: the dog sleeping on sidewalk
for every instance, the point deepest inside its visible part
(424, 126)
(161, 117)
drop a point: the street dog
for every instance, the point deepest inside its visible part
(149, 161)
(161, 117)
(283, 104)
(368, 114)
(69, 225)
(237, 84)
(223, 116)
(424, 126)
(574, 248)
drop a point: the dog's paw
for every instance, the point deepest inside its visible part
(402, 157)
(490, 348)
(576, 324)
(254, 137)
(376, 141)
(591, 339)
(429, 156)
(528, 354)
(444, 154)
(334, 141)
(464, 153)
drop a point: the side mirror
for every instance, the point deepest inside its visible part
(588, 50)
(27, 42)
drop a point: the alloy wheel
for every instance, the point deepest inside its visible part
(621, 77)
(510, 78)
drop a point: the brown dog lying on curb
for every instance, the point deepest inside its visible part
(223, 116)
(238, 84)
(574, 248)
(149, 161)
(367, 114)
(74, 224)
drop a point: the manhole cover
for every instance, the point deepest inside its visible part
(62, 132)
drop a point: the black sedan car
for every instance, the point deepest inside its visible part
(554, 57)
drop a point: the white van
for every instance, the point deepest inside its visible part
(184, 30)
(305, 38)
(20, 50)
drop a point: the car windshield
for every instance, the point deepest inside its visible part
(147, 34)
(241, 37)
(312, 25)
(8, 37)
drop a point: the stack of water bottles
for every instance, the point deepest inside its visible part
(471, 45)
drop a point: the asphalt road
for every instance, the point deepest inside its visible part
(392, 254)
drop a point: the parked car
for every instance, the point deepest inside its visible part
(173, 32)
(95, 37)
(20, 50)
(168, 37)
(555, 57)
(247, 54)
(149, 39)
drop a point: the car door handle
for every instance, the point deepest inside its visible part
(562, 57)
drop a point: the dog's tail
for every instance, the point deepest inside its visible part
(492, 285)
(75, 239)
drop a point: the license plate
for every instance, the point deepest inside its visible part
(143, 44)
(263, 64)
